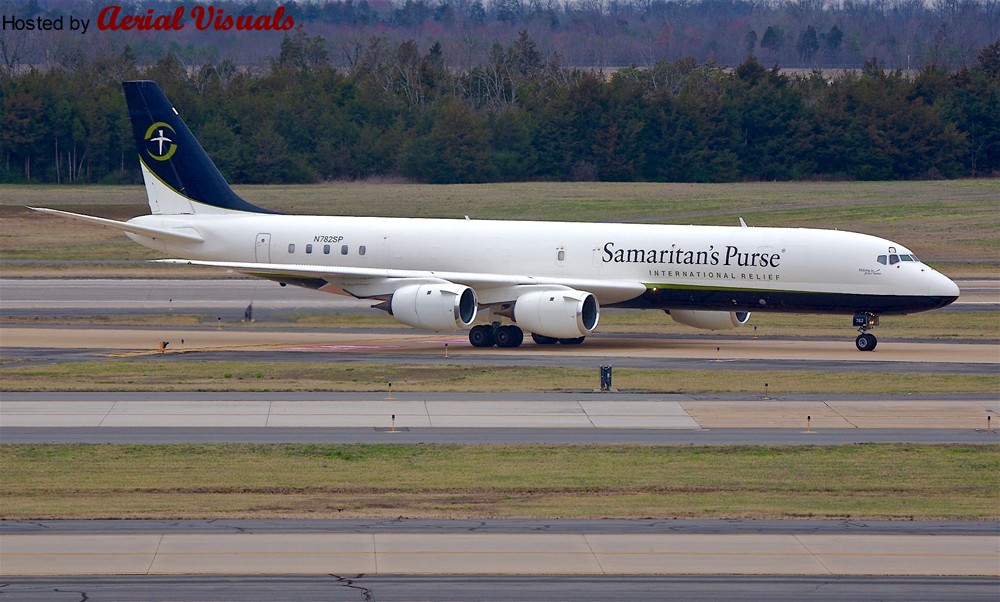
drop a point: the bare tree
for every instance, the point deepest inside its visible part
(12, 47)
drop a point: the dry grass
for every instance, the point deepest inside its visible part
(159, 375)
(465, 481)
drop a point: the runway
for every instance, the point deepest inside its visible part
(498, 546)
(525, 559)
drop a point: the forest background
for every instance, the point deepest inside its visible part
(465, 91)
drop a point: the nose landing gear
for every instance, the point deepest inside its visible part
(865, 322)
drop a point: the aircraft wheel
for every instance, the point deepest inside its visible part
(482, 336)
(575, 341)
(866, 342)
(541, 339)
(509, 336)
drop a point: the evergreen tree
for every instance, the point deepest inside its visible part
(808, 44)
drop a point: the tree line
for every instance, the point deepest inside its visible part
(518, 115)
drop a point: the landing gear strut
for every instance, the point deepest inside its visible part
(865, 322)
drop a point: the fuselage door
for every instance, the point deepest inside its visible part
(384, 252)
(262, 250)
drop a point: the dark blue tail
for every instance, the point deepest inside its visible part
(179, 176)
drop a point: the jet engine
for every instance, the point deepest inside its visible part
(561, 313)
(443, 306)
(710, 320)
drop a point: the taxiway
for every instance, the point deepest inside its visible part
(580, 417)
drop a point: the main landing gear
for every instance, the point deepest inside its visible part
(865, 322)
(487, 335)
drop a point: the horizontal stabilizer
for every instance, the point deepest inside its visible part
(187, 235)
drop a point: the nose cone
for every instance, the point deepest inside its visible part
(943, 288)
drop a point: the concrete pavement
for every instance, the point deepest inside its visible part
(499, 553)
(436, 410)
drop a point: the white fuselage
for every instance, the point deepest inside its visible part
(688, 260)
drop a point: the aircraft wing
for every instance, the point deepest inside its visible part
(382, 282)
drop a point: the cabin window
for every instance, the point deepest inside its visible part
(326, 249)
(362, 250)
(881, 259)
(291, 248)
(309, 249)
(561, 255)
(893, 259)
(343, 250)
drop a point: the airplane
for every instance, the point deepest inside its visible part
(550, 279)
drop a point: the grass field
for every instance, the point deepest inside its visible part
(953, 222)
(158, 375)
(466, 481)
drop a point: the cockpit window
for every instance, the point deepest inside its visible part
(893, 258)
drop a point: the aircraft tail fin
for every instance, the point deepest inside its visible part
(180, 177)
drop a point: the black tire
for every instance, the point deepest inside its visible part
(575, 341)
(481, 336)
(509, 336)
(541, 339)
(866, 342)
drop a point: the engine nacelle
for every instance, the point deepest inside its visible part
(436, 307)
(562, 314)
(710, 320)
